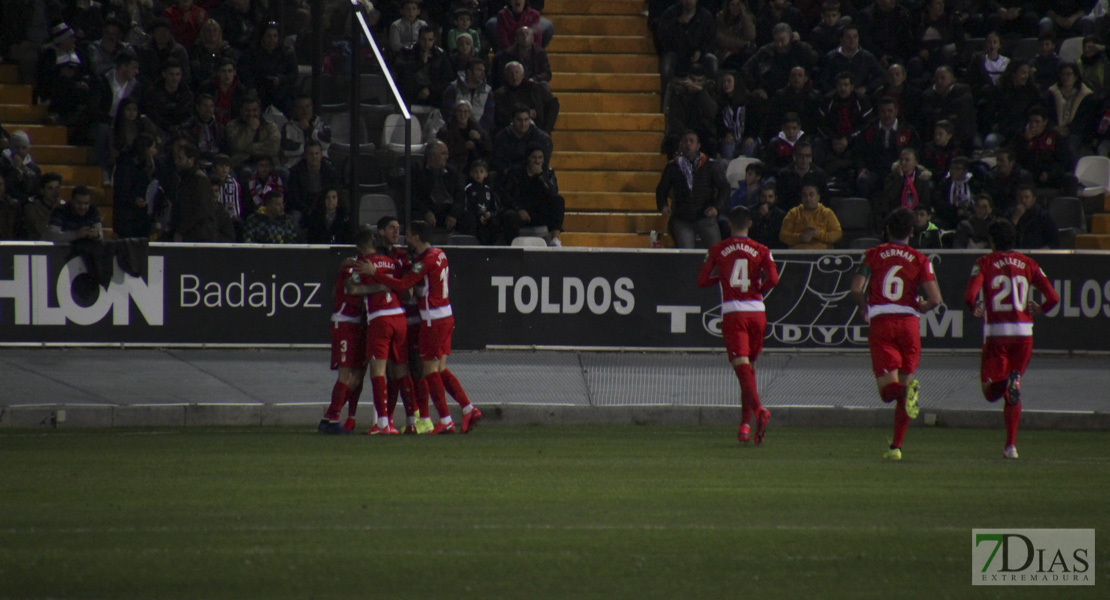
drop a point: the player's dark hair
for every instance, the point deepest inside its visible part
(420, 229)
(364, 239)
(740, 218)
(899, 223)
(1002, 234)
(385, 221)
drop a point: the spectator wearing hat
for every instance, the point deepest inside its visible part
(185, 19)
(60, 53)
(20, 173)
(158, 50)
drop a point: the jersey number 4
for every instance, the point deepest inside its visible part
(1005, 287)
(739, 278)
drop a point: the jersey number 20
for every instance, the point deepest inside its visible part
(1017, 285)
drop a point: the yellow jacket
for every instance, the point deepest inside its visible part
(823, 219)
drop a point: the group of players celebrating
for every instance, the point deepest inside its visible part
(392, 305)
(888, 287)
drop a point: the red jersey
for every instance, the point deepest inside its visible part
(348, 308)
(896, 270)
(411, 304)
(386, 303)
(1008, 276)
(745, 271)
(429, 268)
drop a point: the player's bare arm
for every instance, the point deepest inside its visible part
(932, 297)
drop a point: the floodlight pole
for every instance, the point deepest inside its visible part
(355, 103)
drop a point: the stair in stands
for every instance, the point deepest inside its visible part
(50, 143)
(1099, 238)
(607, 140)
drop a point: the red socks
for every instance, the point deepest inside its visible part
(438, 394)
(391, 404)
(893, 391)
(901, 422)
(421, 386)
(408, 394)
(353, 395)
(453, 387)
(338, 399)
(1011, 414)
(381, 395)
(749, 397)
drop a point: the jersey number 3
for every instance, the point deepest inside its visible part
(739, 278)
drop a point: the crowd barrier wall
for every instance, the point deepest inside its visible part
(251, 295)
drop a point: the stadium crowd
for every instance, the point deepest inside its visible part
(203, 128)
(956, 109)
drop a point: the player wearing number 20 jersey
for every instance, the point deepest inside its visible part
(745, 271)
(1005, 278)
(887, 287)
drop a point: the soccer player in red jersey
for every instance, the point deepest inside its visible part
(1005, 277)
(348, 352)
(745, 271)
(429, 266)
(886, 287)
(386, 329)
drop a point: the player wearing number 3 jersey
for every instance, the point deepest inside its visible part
(886, 288)
(745, 271)
(1005, 276)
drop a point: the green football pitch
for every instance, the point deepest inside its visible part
(532, 512)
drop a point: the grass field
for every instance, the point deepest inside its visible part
(531, 512)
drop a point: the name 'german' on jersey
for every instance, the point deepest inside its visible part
(895, 272)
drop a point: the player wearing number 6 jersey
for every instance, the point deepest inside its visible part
(745, 271)
(429, 266)
(886, 288)
(1004, 276)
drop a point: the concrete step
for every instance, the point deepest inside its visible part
(47, 135)
(86, 175)
(607, 161)
(592, 141)
(583, 102)
(592, 7)
(601, 44)
(105, 216)
(1100, 223)
(587, 222)
(605, 63)
(591, 121)
(15, 94)
(609, 201)
(600, 25)
(605, 82)
(9, 74)
(611, 240)
(1092, 241)
(608, 181)
(68, 155)
(13, 115)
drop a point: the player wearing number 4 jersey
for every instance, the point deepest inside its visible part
(745, 271)
(1004, 276)
(886, 288)
(429, 266)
